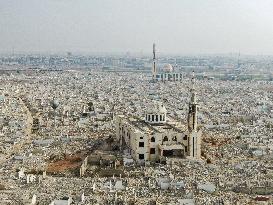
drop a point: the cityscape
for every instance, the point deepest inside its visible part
(129, 128)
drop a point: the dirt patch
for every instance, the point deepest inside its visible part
(110, 173)
(66, 164)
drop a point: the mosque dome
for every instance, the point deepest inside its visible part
(54, 103)
(168, 68)
(157, 107)
(156, 113)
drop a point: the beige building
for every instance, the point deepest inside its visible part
(156, 137)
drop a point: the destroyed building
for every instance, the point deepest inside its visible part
(157, 137)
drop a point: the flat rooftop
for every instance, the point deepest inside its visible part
(160, 128)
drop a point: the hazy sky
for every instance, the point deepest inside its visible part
(176, 26)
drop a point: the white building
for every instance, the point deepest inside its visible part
(166, 74)
(156, 137)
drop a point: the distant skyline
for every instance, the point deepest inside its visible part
(178, 27)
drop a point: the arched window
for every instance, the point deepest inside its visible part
(174, 138)
(165, 139)
(152, 139)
